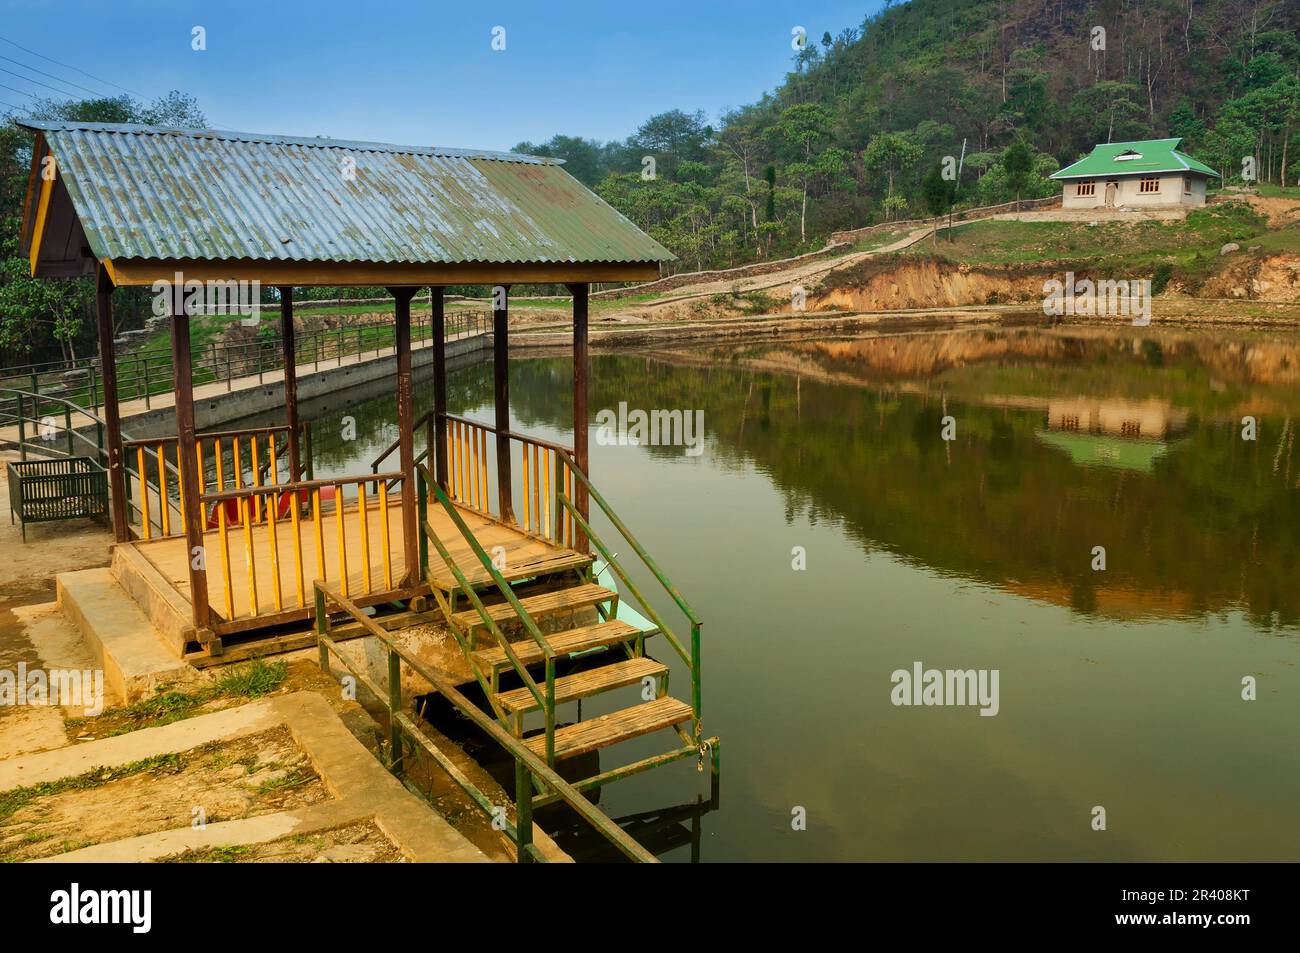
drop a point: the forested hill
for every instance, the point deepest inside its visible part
(864, 116)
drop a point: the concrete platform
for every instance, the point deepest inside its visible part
(119, 636)
(360, 788)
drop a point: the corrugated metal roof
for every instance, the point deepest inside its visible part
(158, 193)
(1145, 156)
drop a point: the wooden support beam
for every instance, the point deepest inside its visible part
(405, 431)
(373, 274)
(197, 558)
(581, 375)
(290, 380)
(439, 307)
(112, 420)
(501, 392)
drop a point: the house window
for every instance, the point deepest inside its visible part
(1149, 184)
(1187, 185)
(1086, 188)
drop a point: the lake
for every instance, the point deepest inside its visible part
(1118, 687)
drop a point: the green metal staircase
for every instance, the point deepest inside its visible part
(583, 619)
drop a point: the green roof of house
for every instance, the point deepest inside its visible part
(1133, 158)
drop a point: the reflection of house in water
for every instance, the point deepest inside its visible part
(1113, 432)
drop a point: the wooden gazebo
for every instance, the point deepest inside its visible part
(227, 535)
(229, 522)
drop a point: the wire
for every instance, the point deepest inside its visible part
(15, 89)
(71, 67)
(28, 79)
(16, 109)
(65, 82)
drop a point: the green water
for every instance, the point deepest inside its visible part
(1118, 688)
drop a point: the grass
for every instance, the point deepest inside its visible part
(1190, 245)
(886, 236)
(293, 779)
(746, 302)
(249, 680)
(15, 799)
(253, 679)
(1269, 191)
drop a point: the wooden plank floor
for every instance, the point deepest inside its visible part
(525, 556)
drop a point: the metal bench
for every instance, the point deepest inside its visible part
(66, 488)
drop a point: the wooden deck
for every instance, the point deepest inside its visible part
(526, 555)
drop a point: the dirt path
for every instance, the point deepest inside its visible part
(689, 300)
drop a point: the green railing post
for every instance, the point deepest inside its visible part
(394, 709)
(67, 429)
(696, 702)
(422, 506)
(94, 392)
(523, 811)
(146, 384)
(550, 711)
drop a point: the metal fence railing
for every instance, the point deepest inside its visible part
(145, 372)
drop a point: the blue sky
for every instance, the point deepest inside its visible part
(423, 72)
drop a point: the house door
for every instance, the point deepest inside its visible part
(1112, 188)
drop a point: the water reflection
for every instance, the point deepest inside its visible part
(1066, 439)
(1120, 687)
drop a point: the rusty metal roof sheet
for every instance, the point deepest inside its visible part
(158, 193)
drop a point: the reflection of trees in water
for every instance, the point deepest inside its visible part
(1214, 523)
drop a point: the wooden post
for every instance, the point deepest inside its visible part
(290, 381)
(108, 378)
(439, 429)
(405, 431)
(581, 368)
(195, 557)
(501, 388)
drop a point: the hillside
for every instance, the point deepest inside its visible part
(867, 113)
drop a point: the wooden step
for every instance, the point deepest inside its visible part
(610, 729)
(584, 684)
(563, 643)
(575, 597)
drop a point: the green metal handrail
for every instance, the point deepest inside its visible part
(507, 591)
(693, 659)
(528, 767)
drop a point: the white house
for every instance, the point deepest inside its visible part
(1147, 174)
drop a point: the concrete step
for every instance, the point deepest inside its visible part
(136, 662)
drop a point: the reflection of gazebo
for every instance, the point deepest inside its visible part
(139, 206)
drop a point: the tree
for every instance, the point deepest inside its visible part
(583, 158)
(673, 137)
(939, 194)
(803, 128)
(41, 319)
(887, 154)
(1018, 163)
